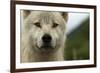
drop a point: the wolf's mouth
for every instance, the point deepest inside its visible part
(45, 48)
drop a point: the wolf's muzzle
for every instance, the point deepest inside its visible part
(46, 38)
(46, 41)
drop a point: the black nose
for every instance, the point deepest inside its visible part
(46, 38)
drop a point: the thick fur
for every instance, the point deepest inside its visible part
(32, 34)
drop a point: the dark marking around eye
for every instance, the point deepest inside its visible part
(55, 25)
(37, 24)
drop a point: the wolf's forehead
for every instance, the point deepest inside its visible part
(43, 14)
(46, 14)
(46, 17)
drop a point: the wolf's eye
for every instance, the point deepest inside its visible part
(55, 25)
(37, 24)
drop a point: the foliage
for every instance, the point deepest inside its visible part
(77, 43)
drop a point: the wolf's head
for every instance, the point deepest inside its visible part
(45, 29)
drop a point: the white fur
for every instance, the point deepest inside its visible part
(31, 36)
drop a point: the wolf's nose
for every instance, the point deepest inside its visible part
(46, 38)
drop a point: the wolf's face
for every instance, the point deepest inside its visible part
(46, 30)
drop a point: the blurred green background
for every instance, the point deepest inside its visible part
(77, 43)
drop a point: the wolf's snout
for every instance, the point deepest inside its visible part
(46, 38)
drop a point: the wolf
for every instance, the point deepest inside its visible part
(43, 35)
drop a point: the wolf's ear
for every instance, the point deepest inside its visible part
(65, 15)
(26, 13)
